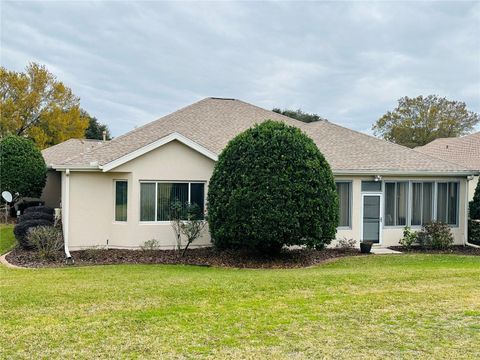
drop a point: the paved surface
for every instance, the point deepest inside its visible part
(383, 251)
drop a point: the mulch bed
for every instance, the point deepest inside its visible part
(456, 249)
(201, 257)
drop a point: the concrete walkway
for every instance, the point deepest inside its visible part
(383, 251)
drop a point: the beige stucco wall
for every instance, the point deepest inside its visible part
(92, 198)
(51, 193)
(92, 201)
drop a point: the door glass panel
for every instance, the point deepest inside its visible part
(371, 218)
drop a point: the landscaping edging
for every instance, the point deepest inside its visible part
(5, 262)
(299, 258)
(456, 249)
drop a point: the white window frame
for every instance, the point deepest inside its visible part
(407, 215)
(115, 221)
(350, 202)
(457, 218)
(156, 182)
(434, 202)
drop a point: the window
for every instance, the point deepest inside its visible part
(121, 189)
(156, 198)
(396, 203)
(422, 203)
(371, 186)
(344, 194)
(447, 203)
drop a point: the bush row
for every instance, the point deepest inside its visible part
(33, 217)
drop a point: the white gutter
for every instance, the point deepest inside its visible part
(66, 214)
(405, 173)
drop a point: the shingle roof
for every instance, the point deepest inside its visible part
(60, 153)
(463, 150)
(212, 122)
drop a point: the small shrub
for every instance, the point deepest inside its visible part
(47, 240)
(152, 244)
(346, 244)
(44, 209)
(409, 238)
(435, 235)
(21, 229)
(36, 216)
(187, 220)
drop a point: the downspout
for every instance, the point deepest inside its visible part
(469, 178)
(66, 217)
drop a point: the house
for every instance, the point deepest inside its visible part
(57, 154)
(464, 151)
(119, 192)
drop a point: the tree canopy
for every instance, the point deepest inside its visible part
(95, 129)
(37, 105)
(271, 186)
(418, 121)
(23, 169)
(299, 115)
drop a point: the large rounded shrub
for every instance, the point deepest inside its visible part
(23, 168)
(272, 187)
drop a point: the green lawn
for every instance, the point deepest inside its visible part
(7, 240)
(400, 306)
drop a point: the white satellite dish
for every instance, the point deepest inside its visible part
(7, 196)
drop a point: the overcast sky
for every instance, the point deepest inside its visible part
(131, 63)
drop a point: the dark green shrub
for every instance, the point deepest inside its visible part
(475, 204)
(47, 241)
(23, 168)
(474, 232)
(435, 235)
(26, 202)
(44, 209)
(21, 229)
(36, 216)
(272, 187)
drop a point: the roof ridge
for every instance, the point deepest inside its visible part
(278, 114)
(391, 143)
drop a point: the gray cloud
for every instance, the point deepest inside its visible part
(133, 62)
